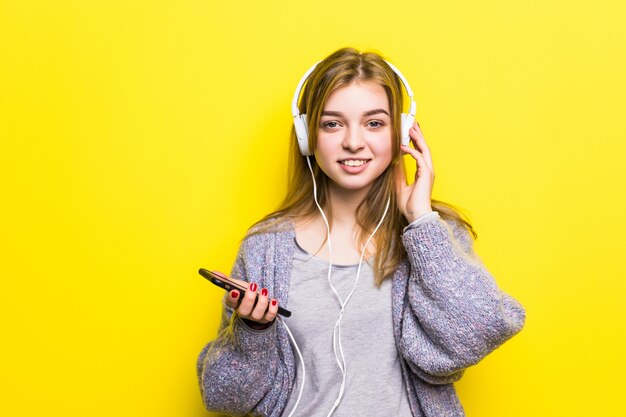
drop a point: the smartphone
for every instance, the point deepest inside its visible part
(228, 285)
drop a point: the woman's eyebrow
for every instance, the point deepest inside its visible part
(375, 111)
(367, 113)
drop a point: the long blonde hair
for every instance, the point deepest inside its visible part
(339, 69)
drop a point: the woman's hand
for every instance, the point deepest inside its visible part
(255, 306)
(414, 200)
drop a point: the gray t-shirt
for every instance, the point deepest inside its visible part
(374, 384)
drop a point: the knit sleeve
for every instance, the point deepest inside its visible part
(240, 371)
(456, 314)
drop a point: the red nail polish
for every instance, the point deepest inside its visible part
(234, 294)
(264, 292)
(274, 302)
(253, 287)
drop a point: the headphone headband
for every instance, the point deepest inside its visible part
(300, 122)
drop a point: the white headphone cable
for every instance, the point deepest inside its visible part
(330, 250)
(329, 243)
(301, 361)
(337, 328)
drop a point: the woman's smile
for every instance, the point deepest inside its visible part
(353, 166)
(354, 162)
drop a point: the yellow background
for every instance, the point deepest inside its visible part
(140, 139)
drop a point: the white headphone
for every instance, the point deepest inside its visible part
(302, 129)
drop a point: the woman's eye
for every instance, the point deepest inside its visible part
(375, 123)
(330, 125)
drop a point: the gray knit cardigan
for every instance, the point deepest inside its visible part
(448, 314)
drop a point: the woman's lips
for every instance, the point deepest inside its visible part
(353, 166)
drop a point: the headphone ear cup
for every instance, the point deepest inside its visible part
(302, 133)
(407, 122)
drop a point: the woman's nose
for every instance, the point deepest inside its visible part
(353, 140)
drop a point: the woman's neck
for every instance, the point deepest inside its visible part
(311, 231)
(344, 203)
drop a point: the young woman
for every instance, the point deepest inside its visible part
(390, 303)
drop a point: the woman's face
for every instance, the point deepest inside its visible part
(355, 135)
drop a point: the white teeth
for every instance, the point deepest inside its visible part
(353, 162)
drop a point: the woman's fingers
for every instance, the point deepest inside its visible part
(415, 199)
(265, 309)
(421, 153)
(232, 299)
(417, 137)
(258, 312)
(413, 152)
(254, 305)
(248, 300)
(419, 158)
(272, 311)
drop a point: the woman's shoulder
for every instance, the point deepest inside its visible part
(268, 228)
(268, 237)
